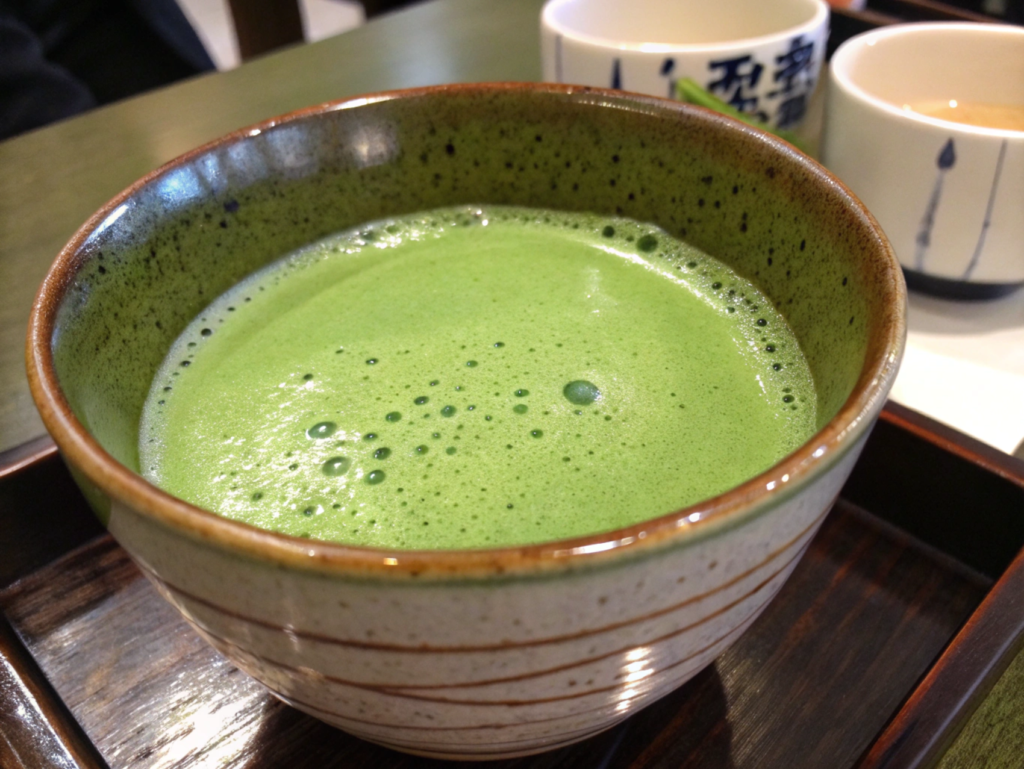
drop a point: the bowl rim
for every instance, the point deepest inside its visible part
(678, 528)
(844, 59)
(819, 17)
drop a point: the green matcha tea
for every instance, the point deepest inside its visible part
(476, 378)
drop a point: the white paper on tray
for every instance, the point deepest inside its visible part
(964, 366)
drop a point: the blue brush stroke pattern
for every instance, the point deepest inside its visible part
(988, 213)
(947, 158)
(945, 161)
(667, 67)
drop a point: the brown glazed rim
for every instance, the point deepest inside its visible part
(678, 528)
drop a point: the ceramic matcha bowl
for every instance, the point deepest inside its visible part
(475, 653)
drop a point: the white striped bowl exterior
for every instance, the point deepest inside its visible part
(490, 668)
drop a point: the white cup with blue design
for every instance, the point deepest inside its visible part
(763, 57)
(925, 124)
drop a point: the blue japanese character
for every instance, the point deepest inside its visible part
(739, 77)
(735, 73)
(796, 61)
(791, 111)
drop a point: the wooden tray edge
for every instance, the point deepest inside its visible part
(39, 730)
(939, 707)
(953, 441)
(21, 458)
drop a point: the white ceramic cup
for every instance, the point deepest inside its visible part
(763, 57)
(950, 196)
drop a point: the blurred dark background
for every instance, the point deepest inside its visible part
(61, 57)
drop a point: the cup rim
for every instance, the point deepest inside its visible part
(842, 59)
(687, 525)
(819, 18)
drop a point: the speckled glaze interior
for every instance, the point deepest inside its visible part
(154, 257)
(188, 234)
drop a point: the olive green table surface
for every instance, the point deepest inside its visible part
(53, 179)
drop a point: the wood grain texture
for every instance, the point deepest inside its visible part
(955, 443)
(810, 685)
(38, 730)
(935, 712)
(969, 504)
(23, 457)
(53, 179)
(911, 476)
(996, 730)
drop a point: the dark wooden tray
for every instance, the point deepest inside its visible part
(902, 614)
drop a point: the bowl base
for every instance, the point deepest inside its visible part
(947, 288)
(481, 753)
